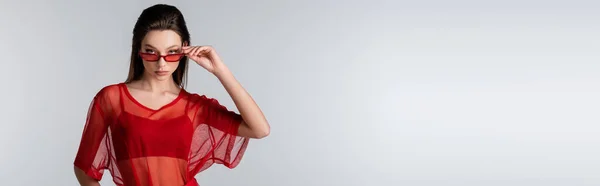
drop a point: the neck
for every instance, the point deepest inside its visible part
(158, 86)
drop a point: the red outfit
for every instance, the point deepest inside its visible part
(168, 146)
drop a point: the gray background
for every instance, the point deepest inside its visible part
(419, 93)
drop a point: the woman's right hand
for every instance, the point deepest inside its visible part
(84, 179)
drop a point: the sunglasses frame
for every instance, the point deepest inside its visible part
(157, 56)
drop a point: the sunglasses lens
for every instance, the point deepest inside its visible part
(173, 57)
(149, 57)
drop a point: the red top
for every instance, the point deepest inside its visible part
(141, 146)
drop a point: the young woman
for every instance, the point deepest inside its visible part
(149, 130)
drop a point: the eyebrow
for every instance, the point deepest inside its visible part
(148, 45)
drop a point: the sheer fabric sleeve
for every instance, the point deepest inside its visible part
(93, 155)
(228, 147)
(215, 138)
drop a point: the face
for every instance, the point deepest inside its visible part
(161, 51)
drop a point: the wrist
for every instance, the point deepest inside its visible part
(221, 72)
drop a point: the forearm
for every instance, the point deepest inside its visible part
(250, 111)
(84, 179)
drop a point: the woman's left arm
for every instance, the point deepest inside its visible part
(254, 124)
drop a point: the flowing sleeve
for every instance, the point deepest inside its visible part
(215, 138)
(93, 156)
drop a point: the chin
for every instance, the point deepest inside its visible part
(163, 78)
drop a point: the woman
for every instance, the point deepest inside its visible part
(149, 130)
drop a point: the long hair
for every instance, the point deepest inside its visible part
(158, 17)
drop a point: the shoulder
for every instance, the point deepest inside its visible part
(199, 100)
(109, 90)
(109, 93)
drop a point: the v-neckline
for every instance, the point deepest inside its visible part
(135, 101)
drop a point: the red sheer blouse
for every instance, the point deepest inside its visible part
(168, 146)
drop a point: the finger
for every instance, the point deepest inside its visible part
(205, 49)
(196, 51)
(190, 51)
(185, 50)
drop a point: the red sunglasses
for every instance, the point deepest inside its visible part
(156, 57)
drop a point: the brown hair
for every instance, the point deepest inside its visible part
(158, 17)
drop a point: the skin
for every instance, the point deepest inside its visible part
(157, 89)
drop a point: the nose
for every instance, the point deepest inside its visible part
(161, 62)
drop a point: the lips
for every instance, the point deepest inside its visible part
(161, 73)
